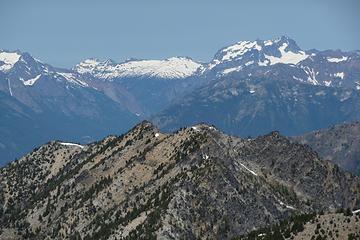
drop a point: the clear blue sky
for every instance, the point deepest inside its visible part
(66, 31)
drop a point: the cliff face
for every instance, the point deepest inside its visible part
(195, 183)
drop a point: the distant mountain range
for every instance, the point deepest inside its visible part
(196, 183)
(340, 144)
(249, 88)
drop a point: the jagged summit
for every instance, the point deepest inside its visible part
(244, 54)
(23, 67)
(10, 59)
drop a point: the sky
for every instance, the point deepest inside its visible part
(64, 32)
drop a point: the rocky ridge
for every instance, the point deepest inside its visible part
(193, 183)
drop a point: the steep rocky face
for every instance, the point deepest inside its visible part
(194, 183)
(340, 144)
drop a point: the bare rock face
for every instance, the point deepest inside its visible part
(194, 183)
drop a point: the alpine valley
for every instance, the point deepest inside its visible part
(254, 87)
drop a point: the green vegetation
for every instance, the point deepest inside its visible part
(280, 231)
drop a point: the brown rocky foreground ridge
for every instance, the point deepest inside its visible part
(195, 183)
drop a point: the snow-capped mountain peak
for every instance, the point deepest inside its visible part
(8, 60)
(91, 65)
(170, 68)
(22, 67)
(242, 54)
(239, 49)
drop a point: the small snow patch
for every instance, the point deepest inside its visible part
(287, 206)
(72, 79)
(205, 156)
(298, 79)
(336, 60)
(196, 129)
(9, 85)
(31, 81)
(249, 63)
(71, 144)
(327, 83)
(356, 211)
(320, 93)
(264, 63)
(249, 170)
(339, 75)
(268, 43)
(157, 134)
(234, 69)
(311, 75)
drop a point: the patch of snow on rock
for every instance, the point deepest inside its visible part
(266, 62)
(311, 75)
(287, 206)
(249, 63)
(9, 59)
(71, 144)
(327, 83)
(195, 128)
(339, 75)
(205, 156)
(268, 43)
(234, 69)
(287, 57)
(239, 49)
(298, 79)
(336, 60)
(31, 81)
(356, 211)
(72, 79)
(320, 93)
